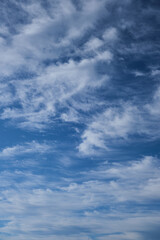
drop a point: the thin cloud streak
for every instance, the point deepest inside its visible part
(27, 148)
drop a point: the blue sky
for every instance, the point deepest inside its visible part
(79, 120)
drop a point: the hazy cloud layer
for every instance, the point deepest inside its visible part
(103, 198)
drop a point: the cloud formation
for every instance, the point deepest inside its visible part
(27, 148)
(79, 120)
(83, 209)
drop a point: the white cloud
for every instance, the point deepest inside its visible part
(6, 97)
(70, 116)
(154, 106)
(62, 49)
(45, 37)
(37, 208)
(105, 56)
(110, 34)
(134, 181)
(27, 148)
(93, 44)
(120, 123)
(39, 96)
(113, 123)
(155, 72)
(138, 74)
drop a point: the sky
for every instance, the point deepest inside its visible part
(79, 120)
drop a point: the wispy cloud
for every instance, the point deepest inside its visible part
(38, 97)
(57, 81)
(134, 181)
(154, 106)
(121, 123)
(83, 75)
(27, 148)
(44, 210)
(114, 123)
